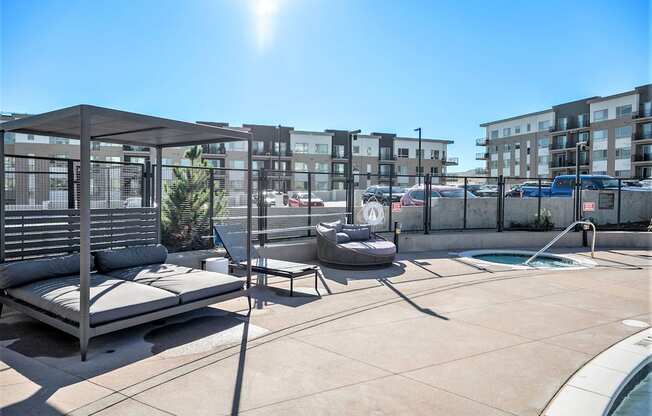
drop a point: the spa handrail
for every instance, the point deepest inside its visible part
(554, 240)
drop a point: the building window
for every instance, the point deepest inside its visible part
(301, 166)
(386, 153)
(321, 149)
(600, 115)
(385, 170)
(507, 131)
(544, 125)
(623, 173)
(647, 109)
(543, 160)
(434, 154)
(528, 127)
(583, 136)
(356, 150)
(403, 152)
(338, 168)
(434, 170)
(338, 151)
(600, 155)
(283, 165)
(582, 120)
(600, 136)
(646, 130)
(624, 131)
(517, 130)
(258, 146)
(301, 148)
(543, 142)
(562, 123)
(624, 111)
(494, 134)
(321, 167)
(624, 152)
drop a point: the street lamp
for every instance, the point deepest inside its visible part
(419, 156)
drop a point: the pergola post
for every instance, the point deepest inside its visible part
(84, 229)
(250, 192)
(159, 191)
(3, 201)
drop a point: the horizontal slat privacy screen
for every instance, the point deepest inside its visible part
(41, 233)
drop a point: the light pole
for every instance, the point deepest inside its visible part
(581, 146)
(419, 156)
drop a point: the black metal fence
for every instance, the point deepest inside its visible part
(287, 204)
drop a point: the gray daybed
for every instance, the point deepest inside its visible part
(352, 245)
(131, 286)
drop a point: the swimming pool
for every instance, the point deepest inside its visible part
(636, 397)
(517, 258)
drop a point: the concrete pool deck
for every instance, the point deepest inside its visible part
(431, 335)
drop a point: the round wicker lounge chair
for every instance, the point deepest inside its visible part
(352, 245)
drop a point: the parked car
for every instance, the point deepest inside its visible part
(300, 200)
(646, 183)
(481, 190)
(268, 196)
(563, 185)
(381, 194)
(415, 195)
(516, 191)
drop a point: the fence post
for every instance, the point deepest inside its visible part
(2, 196)
(499, 213)
(539, 203)
(262, 175)
(391, 181)
(620, 185)
(426, 203)
(466, 183)
(71, 184)
(309, 202)
(147, 190)
(211, 199)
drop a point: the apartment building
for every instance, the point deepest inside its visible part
(282, 153)
(617, 128)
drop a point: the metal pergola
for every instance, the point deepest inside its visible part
(88, 123)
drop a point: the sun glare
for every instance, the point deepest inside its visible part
(264, 11)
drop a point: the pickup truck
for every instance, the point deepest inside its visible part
(563, 186)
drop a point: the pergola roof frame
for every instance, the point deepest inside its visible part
(88, 123)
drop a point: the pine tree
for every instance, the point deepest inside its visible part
(186, 201)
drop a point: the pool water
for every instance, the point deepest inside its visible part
(638, 402)
(520, 259)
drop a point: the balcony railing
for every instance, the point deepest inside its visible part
(387, 157)
(213, 150)
(284, 153)
(570, 144)
(642, 136)
(645, 157)
(481, 156)
(451, 161)
(338, 155)
(482, 141)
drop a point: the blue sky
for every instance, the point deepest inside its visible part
(377, 65)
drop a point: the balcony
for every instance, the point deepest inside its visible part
(641, 114)
(642, 136)
(451, 161)
(283, 153)
(338, 154)
(387, 158)
(481, 156)
(482, 141)
(213, 149)
(645, 157)
(569, 144)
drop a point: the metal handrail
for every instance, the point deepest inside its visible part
(554, 240)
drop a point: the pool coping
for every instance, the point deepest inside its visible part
(583, 262)
(592, 390)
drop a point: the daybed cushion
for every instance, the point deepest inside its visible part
(327, 232)
(110, 299)
(375, 247)
(189, 284)
(23, 272)
(107, 260)
(337, 225)
(357, 233)
(343, 238)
